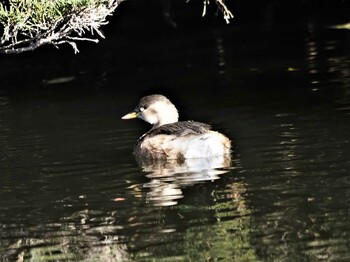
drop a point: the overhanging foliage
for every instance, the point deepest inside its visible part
(29, 24)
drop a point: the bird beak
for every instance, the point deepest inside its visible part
(131, 115)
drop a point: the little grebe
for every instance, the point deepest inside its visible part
(170, 139)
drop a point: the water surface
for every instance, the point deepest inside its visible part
(71, 189)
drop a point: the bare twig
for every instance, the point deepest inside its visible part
(222, 7)
(225, 11)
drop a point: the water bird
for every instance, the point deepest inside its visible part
(172, 139)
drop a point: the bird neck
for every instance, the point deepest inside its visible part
(164, 121)
(167, 117)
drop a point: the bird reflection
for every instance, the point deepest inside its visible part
(168, 177)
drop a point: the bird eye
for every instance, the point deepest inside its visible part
(142, 109)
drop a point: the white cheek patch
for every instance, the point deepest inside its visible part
(152, 119)
(159, 113)
(150, 116)
(160, 107)
(167, 112)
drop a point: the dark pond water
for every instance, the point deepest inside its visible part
(71, 189)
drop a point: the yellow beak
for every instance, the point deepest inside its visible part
(130, 115)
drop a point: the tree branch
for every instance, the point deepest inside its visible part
(31, 24)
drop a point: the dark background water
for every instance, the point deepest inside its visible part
(275, 82)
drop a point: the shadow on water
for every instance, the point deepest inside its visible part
(71, 189)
